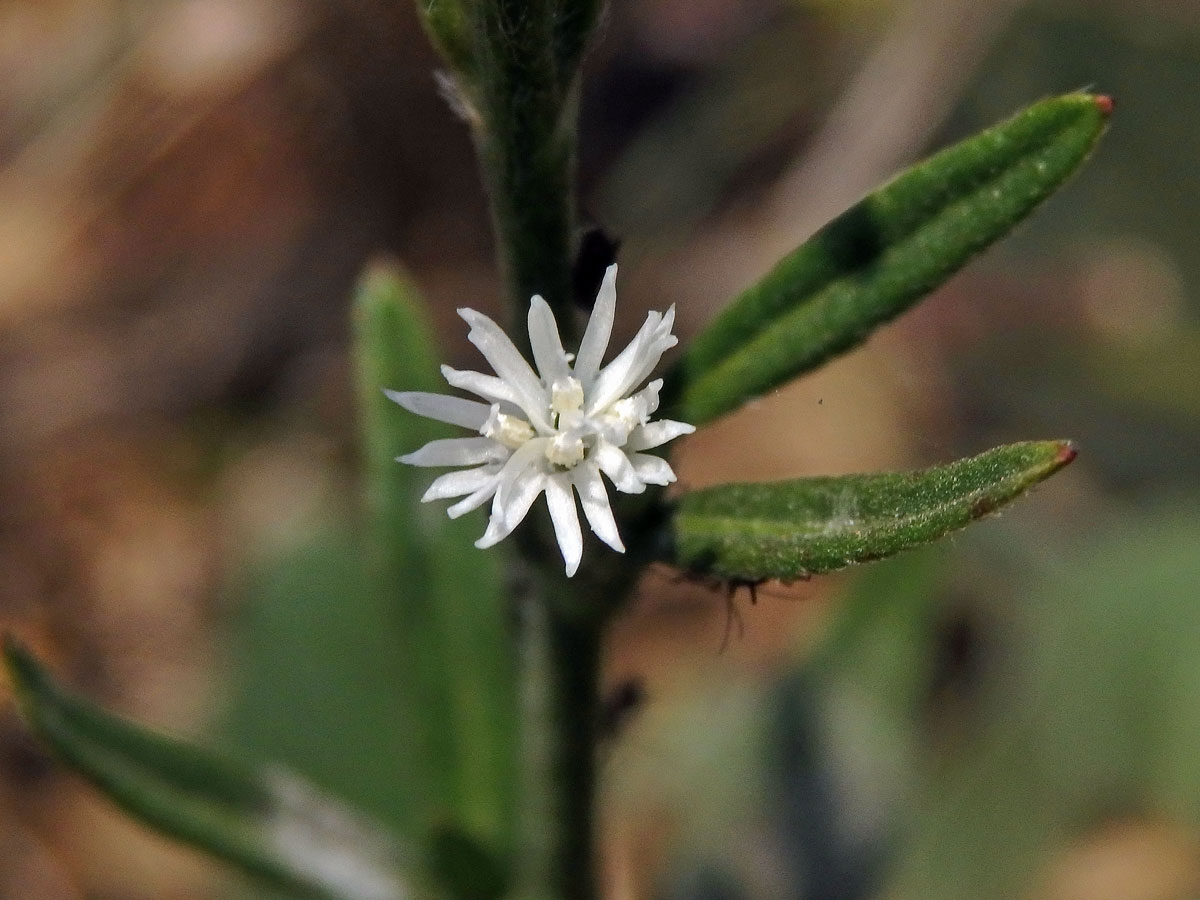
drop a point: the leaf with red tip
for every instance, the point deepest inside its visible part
(807, 526)
(882, 255)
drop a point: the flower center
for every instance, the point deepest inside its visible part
(566, 449)
(566, 396)
(511, 431)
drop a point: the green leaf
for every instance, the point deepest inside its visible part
(449, 28)
(882, 255)
(448, 616)
(793, 529)
(269, 823)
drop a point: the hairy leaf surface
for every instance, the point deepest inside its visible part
(882, 255)
(793, 529)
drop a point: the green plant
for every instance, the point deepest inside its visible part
(493, 784)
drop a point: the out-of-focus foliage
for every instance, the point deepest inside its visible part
(268, 822)
(375, 659)
(969, 718)
(179, 206)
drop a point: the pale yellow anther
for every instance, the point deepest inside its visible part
(628, 412)
(565, 449)
(566, 396)
(511, 431)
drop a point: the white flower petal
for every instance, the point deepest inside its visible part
(649, 395)
(560, 500)
(491, 388)
(456, 452)
(616, 379)
(482, 495)
(442, 407)
(508, 516)
(460, 483)
(616, 465)
(655, 434)
(530, 483)
(546, 343)
(556, 430)
(652, 469)
(659, 342)
(593, 497)
(598, 331)
(503, 356)
(528, 456)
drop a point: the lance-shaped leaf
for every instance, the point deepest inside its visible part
(270, 823)
(882, 255)
(807, 526)
(446, 617)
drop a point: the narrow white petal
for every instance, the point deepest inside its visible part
(619, 376)
(598, 331)
(593, 497)
(491, 388)
(561, 501)
(503, 356)
(452, 410)
(527, 488)
(546, 343)
(460, 483)
(652, 469)
(480, 496)
(649, 395)
(616, 465)
(516, 505)
(528, 456)
(658, 343)
(655, 434)
(456, 452)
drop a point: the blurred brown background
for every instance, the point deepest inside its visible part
(190, 188)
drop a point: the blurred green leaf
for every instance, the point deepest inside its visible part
(459, 687)
(1087, 719)
(882, 255)
(793, 529)
(449, 28)
(270, 823)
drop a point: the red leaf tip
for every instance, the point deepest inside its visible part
(1105, 104)
(1066, 452)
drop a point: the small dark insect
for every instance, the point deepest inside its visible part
(619, 705)
(732, 612)
(597, 251)
(730, 587)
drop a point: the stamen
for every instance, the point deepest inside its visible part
(566, 395)
(511, 431)
(565, 449)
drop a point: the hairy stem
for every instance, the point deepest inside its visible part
(526, 146)
(559, 665)
(525, 135)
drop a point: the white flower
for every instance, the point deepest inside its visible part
(552, 431)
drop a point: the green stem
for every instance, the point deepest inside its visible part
(559, 661)
(526, 52)
(526, 146)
